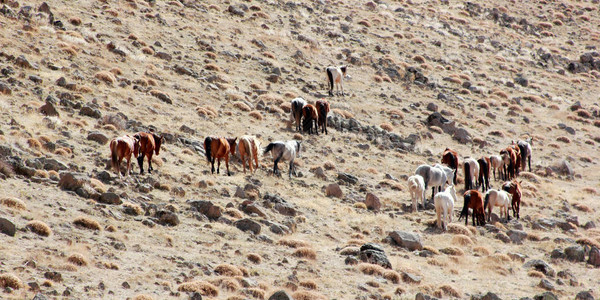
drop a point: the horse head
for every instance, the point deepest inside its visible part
(232, 142)
(344, 68)
(158, 140)
(298, 148)
(136, 145)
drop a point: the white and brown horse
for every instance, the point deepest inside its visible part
(336, 75)
(123, 147)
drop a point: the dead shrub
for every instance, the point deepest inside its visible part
(459, 229)
(34, 144)
(106, 76)
(431, 249)
(39, 228)
(206, 111)
(447, 291)
(212, 67)
(360, 205)
(370, 269)
(436, 262)
(392, 276)
(115, 120)
(563, 139)
(142, 297)
(148, 51)
(241, 106)
(308, 284)
(13, 203)
(419, 59)
(228, 270)
(364, 23)
(87, 223)
(8, 280)
(307, 295)
(229, 284)
(77, 259)
(462, 240)
(256, 115)
(202, 287)
(255, 293)
(387, 127)
(305, 252)
(452, 251)
(536, 274)
(255, 258)
(6, 169)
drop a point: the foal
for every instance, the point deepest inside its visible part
(514, 188)
(416, 187)
(248, 147)
(336, 77)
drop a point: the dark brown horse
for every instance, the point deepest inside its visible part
(473, 200)
(150, 144)
(484, 173)
(517, 158)
(311, 116)
(123, 147)
(514, 188)
(217, 148)
(323, 110)
(450, 158)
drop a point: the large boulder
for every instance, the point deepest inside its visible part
(408, 240)
(374, 254)
(563, 167)
(98, 137)
(7, 227)
(110, 198)
(540, 265)
(575, 253)
(248, 225)
(280, 295)
(334, 190)
(517, 236)
(373, 202)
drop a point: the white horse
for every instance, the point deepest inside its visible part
(434, 177)
(497, 198)
(449, 172)
(473, 172)
(525, 147)
(497, 164)
(296, 111)
(416, 187)
(284, 150)
(336, 77)
(444, 205)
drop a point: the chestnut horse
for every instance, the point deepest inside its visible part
(450, 158)
(514, 188)
(517, 158)
(311, 115)
(217, 148)
(484, 173)
(473, 200)
(323, 110)
(123, 147)
(248, 147)
(149, 143)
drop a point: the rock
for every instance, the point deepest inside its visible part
(22, 62)
(488, 296)
(594, 258)
(545, 296)
(563, 167)
(521, 80)
(374, 254)
(72, 181)
(517, 236)
(373, 202)
(546, 284)
(278, 228)
(351, 260)
(167, 218)
(195, 296)
(319, 173)
(584, 295)
(540, 265)
(90, 112)
(7, 227)
(503, 237)
(273, 78)
(575, 253)
(35, 79)
(54, 276)
(250, 208)
(52, 164)
(236, 10)
(61, 82)
(207, 208)
(347, 178)
(5, 89)
(49, 110)
(285, 209)
(589, 225)
(110, 198)
(421, 296)
(557, 253)
(40, 296)
(280, 295)
(248, 225)
(98, 137)
(432, 107)
(411, 278)
(334, 190)
(164, 55)
(410, 241)
(462, 136)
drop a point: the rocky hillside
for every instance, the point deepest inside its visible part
(75, 74)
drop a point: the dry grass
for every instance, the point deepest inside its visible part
(132, 209)
(34, 144)
(142, 297)
(255, 258)
(370, 269)
(431, 249)
(212, 67)
(256, 115)
(13, 203)
(392, 276)
(455, 228)
(447, 291)
(11, 281)
(360, 205)
(228, 270)
(482, 250)
(462, 240)
(241, 106)
(293, 243)
(106, 76)
(308, 284)
(77, 259)
(228, 284)
(6, 169)
(536, 274)
(202, 287)
(452, 251)
(305, 252)
(255, 293)
(39, 228)
(307, 295)
(87, 223)
(387, 127)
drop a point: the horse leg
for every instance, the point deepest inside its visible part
(141, 162)
(150, 168)
(212, 165)
(227, 164)
(218, 164)
(529, 162)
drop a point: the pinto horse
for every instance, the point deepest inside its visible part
(248, 147)
(514, 188)
(484, 173)
(323, 110)
(497, 198)
(286, 151)
(474, 200)
(472, 174)
(123, 147)
(525, 147)
(311, 116)
(296, 114)
(336, 77)
(450, 158)
(150, 144)
(217, 148)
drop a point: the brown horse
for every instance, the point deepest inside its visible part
(150, 144)
(123, 147)
(311, 115)
(323, 110)
(219, 147)
(473, 200)
(484, 173)
(450, 158)
(248, 147)
(510, 159)
(514, 188)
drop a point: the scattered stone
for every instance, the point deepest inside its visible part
(411, 278)
(594, 258)
(49, 110)
(432, 107)
(546, 284)
(408, 240)
(517, 236)
(40, 296)
(54, 276)
(207, 208)
(195, 296)
(236, 10)
(540, 265)
(421, 296)
(110, 198)
(166, 217)
(72, 181)
(22, 62)
(545, 296)
(250, 208)
(164, 55)
(488, 296)
(347, 178)
(334, 190)
(36, 79)
(503, 237)
(351, 260)
(248, 225)
(98, 137)
(7, 227)
(280, 295)
(575, 253)
(373, 202)
(374, 254)
(584, 295)
(285, 209)
(90, 112)
(563, 167)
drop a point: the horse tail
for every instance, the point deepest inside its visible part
(113, 154)
(468, 183)
(269, 148)
(465, 210)
(330, 77)
(208, 147)
(247, 147)
(487, 200)
(523, 154)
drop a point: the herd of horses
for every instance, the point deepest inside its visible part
(509, 163)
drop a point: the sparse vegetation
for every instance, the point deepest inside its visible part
(39, 228)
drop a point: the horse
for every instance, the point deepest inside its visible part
(336, 76)
(150, 144)
(496, 163)
(496, 198)
(474, 200)
(525, 147)
(510, 159)
(444, 205)
(434, 177)
(450, 158)
(473, 166)
(311, 115)
(517, 151)
(416, 187)
(286, 151)
(484, 173)
(323, 110)
(248, 147)
(217, 148)
(296, 111)
(514, 188)
(449, 172)
(123, 147)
